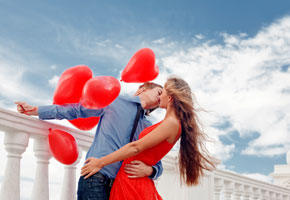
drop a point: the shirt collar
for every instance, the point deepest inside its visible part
(135, 99)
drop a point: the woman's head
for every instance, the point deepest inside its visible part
(175, 90)
(193, 156)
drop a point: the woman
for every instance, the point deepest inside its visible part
(156, 141)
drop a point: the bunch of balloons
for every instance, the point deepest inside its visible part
(77, 85)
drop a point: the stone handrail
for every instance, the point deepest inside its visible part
(18, 129)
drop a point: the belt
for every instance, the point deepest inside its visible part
(109, 181)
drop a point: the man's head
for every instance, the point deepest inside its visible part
(149, 95)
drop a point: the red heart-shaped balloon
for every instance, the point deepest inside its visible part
(141, 67)
(69, 90)
(100, 91)
(70, 84)
(85, 124)
(63, 146)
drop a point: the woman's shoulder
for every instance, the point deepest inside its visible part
(172, 122)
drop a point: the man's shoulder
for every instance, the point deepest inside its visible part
(128, 98)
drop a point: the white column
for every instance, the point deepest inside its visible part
(68, 191)
(286, 197)
(15, 144)
(40, 190)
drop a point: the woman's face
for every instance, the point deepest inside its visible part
(163, 99)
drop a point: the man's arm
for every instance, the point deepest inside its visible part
(68, 111)
(138, 169)
(157, 171)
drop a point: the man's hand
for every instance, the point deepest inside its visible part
(24, 108)
(92, 166)
(137, 169)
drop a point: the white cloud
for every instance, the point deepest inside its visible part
(217, 148)
(199, 36)
(53, 81)
(159, 41)
(241, 80)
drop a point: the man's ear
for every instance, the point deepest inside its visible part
(170, 99)
(140, 90)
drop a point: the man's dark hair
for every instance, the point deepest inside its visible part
(150, 85)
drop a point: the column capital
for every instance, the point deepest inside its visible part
(15, 143)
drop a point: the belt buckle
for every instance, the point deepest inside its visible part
(111, 181)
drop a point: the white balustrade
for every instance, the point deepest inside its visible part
(18, 129)
(226, 185)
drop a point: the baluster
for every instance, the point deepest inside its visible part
(218, 186)
(40, 189)
(247, 192)
(256, 193)
(278, 196)
(238, 191)
(272, 195)
(265, 195)
(285, 197)
(228, 191)
(68, 191)
(15, 144)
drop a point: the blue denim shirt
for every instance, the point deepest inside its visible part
(113, 130)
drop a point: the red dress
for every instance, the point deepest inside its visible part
(125, 188)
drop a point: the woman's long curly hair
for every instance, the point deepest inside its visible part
(193, 155)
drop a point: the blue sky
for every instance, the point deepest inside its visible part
(233, 53)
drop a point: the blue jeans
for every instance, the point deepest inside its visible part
(97, 187)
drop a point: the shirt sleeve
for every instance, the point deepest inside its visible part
(68, 111)
(157, 171)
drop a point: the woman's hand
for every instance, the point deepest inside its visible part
(137, 169)
(92, 166)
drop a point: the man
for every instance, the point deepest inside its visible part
(113, 132)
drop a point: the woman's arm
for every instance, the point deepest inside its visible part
(167, 129)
